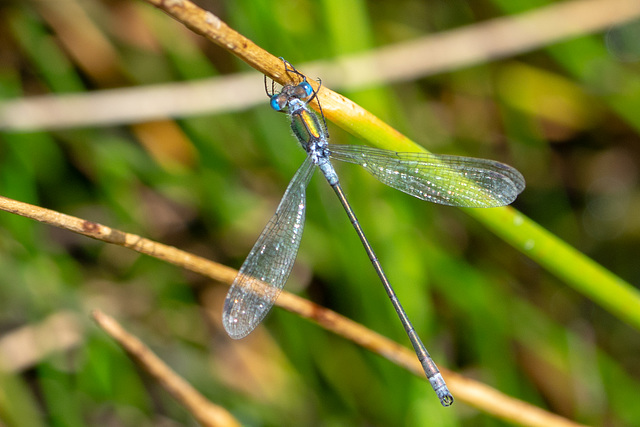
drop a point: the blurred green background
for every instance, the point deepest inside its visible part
(565, 115)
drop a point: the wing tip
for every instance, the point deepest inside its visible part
(235, 328)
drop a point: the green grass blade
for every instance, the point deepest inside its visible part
(576, 269)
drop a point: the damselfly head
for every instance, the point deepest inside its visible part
(302, 91)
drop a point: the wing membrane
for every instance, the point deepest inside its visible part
(267, 268)
(443, 179)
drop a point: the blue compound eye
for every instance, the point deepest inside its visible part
(308, 90)
(278, 102)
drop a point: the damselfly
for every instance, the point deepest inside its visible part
(448, 180)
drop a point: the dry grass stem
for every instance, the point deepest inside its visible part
(465, 390)
(204, 411)
(441, 52)
(25, 347)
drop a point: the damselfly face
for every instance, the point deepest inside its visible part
(302, 91)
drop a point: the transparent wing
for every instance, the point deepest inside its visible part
(267, 268)
(448, 180)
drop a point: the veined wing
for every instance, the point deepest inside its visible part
(267, 268)
(448, 180)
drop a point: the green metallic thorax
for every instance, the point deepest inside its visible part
(306, 126)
